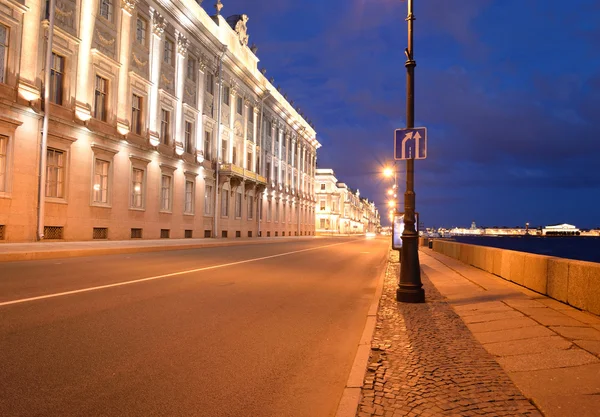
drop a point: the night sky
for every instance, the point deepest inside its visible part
(508, 89)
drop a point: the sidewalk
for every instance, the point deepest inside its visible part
(52, 250)
(479, 346)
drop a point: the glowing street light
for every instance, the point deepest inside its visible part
(388, 172)
(390, 192)
(392, 203)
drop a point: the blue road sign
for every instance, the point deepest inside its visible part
(410, 143)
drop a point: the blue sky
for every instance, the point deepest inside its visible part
(508, 89)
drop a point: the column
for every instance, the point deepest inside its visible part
(86, 32)
(123, 123)
(158, 29)
(200, 106)
(182, 46)
(255, 120)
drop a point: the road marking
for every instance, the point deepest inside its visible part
(173, 274)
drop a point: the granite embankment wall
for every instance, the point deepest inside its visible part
(576, 283)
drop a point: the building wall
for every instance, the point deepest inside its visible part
(146, 51)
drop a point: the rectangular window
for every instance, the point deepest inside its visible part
(322, 187)
(165, 192)
(283, 213)
(210, 83)
(191, 69)
(260, 209)
(277, 211)
(101, 170)
(322, 205)
(189, 136)
(101, 90)
(268, 172)
(239, 105)
(165, 126)
(269, 210)
(224, 202)
(137, 188)
(322, 223)
(189, 197)
(234, 156)
(224, 150)
(268, 128)
(55, 173)
(250, 207)
(168, 52)
(3, 157)
(136, 114)
(226, 95)
(208, 198)
(207, 145)
(238, 205)
(106, 9)
(249, 161)
(3, 51)
(56, 79)
(141, 28)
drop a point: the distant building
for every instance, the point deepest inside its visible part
(340, 210)
(561, 230)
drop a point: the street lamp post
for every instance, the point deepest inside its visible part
(410, 288)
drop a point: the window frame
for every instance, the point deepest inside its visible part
(224, 203)
(109, 10)
(165, 132)
(142, 191)
(4, 166)
(57, 88)
(238, 205)
(109, 160)
(168, 50)
(5, 48)
(239, 105)
(105, 97)
(226, 95)
(191, 75)
(207, 149)
(143, 30)
(209, 83)
(188, 136)
(169, 209)
(192, 195)
(250, 207)
(61, 174)
(136, 113)
(208, 198)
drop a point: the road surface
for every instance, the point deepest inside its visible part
(256, 330)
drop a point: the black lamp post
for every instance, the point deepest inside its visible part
(410, 288)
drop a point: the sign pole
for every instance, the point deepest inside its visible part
(410, 288)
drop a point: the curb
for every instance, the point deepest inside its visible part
(79, 252)
(348, 405)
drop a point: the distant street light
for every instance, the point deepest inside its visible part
(390, 192)
(392, 203)
(388, 172)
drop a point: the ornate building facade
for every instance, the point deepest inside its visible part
(159, 125)
(341, 210)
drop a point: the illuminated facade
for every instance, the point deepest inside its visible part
(160, 126)
(340, 210)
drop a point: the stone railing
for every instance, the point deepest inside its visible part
(576, 283)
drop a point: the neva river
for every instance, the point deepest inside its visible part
(575, 247)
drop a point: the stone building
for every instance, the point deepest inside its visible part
(341, 210)
(160, 125)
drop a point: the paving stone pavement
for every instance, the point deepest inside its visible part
(424, 361)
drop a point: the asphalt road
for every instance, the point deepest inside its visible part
(257, 330)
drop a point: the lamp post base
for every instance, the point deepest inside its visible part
(410, 294)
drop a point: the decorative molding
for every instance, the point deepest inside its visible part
(104, 41)
(158, 23)
(165, 79)
(182, 44)
(128, 5)
(61, 13)
(138, 62)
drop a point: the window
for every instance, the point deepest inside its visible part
(189, 135)
(106, 9)
(3, 51)
(322, 223)
(260, 209)
(191, 69)
(3, 157)
(210, 83)
(268, 128)
(277, 211)
(168, 52)
(238, 204)
(56, 79)
(55, 173)
(189, 197)
(322, 187)
(136, 114)
(165, 192)
(268, 172)
(249, 161)
(165, 126)
(101, 170)
(137, 188)
(239, 105)
(207, 147)
(223, 150)
(208, 198)
(269, 210)
(283, 213)
(141, 28)
(226, 95)
(224, 202)
(234, 156)
(322, 205)
(101, 89)
(250, 200)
